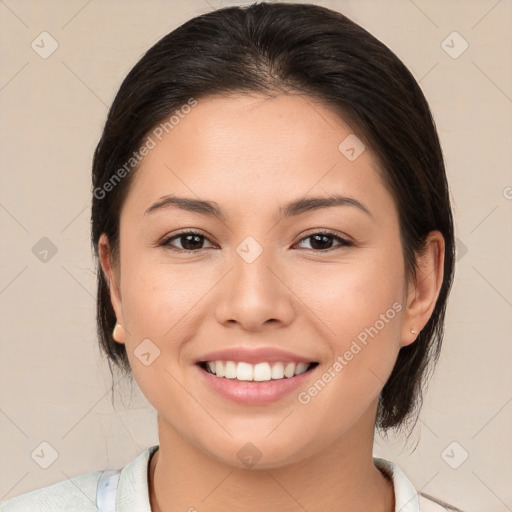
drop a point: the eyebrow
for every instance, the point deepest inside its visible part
(297, 207)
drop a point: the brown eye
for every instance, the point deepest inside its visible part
(190, 241)
(323, 241)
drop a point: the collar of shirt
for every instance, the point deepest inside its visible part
(132, 489)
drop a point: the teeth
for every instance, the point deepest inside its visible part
(289, 370)
(277, 371)
(255, 372)
(219, 369)
(230, 370)
(261, 371)
(301, 368)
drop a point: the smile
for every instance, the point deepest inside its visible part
(239, 382)
(259, 372)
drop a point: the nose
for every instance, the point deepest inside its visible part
(255, 295)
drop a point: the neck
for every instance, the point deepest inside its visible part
(343, 478)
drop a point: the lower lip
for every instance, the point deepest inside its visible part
(255, 393)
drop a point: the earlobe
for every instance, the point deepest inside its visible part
(105, 258)
(423, 292)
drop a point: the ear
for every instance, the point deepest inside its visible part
(422, 292)
(111, 274)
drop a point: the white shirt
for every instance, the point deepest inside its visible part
(126, 490)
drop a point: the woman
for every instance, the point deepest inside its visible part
(274, 237)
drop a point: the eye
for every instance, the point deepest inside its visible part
(190, 241)
(322, 241)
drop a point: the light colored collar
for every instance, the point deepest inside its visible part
(132, 489)
(133, 494)
(406, 497)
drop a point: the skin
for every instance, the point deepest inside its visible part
(251, 154)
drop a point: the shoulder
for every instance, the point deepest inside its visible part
(77, 494)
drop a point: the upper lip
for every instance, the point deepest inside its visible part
(254, 355)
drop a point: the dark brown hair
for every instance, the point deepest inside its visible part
(290, 48)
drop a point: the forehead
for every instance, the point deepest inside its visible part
(255, 149)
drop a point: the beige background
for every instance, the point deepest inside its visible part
(54, 386)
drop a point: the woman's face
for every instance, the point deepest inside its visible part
(261, 276)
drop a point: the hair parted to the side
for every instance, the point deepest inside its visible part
(303, 49)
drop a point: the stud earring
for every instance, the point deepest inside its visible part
(115, 332)
(413, 331)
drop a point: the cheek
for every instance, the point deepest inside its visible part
(360, 307)
(160, 304)
(352, 296)
(155, 293)
(158, 298)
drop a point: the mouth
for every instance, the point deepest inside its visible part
(258, 384)
(256, 373)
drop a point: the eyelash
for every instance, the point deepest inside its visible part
(343, 241)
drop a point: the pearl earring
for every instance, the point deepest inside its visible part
(115, 331)
(413, 331)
